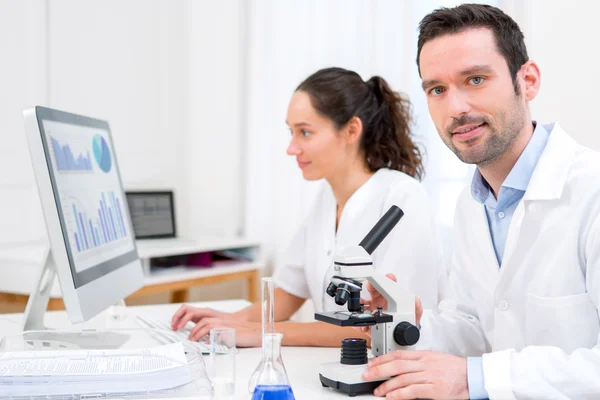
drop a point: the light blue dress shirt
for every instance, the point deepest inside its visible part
(499, 215)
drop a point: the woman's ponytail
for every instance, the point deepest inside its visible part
(387, 140)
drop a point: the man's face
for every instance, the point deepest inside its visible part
(471, 95)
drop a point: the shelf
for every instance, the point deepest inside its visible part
(175, 279)
(151, 248)
(177, 274)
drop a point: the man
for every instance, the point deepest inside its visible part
(525, 278)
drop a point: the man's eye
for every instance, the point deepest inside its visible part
(476, 80)
(436, 91)
(305, 133)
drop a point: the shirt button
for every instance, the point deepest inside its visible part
(501, 215)
(503, 305)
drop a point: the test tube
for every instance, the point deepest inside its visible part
(268, 323)
(268, 312)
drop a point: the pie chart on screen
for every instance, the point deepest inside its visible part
(101, 153)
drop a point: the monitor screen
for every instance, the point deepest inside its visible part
(152, 214)
(88, 193)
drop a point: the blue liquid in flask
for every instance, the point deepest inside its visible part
(273, 392)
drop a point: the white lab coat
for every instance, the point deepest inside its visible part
(411, 250)
(536, 317)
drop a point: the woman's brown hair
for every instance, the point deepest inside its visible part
(386, 141)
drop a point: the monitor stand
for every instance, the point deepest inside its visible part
(33, 319)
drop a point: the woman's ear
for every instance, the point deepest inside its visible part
(353, 130)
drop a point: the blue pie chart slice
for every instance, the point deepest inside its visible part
(102, 153)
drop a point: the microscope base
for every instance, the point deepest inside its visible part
(351, 389)
(347, 378)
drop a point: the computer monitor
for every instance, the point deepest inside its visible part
(93, 248)
(152, 214)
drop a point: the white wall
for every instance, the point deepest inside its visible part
(561, 36)
(216, 136)
(23, 80)
(125, 61)
(167, 75)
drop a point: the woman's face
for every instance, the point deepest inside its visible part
(320, 149)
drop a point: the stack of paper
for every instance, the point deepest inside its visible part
(101, 372)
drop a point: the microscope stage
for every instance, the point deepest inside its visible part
(346, 318)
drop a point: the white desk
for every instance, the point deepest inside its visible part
(301, 362)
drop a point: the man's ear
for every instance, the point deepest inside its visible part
(531, 78)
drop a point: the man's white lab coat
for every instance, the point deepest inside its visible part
(536, 316)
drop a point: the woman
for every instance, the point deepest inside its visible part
(356, 136)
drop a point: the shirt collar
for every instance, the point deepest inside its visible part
(480, 189)
(521, 173)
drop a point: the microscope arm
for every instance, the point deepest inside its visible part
(399, 299)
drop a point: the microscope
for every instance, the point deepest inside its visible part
(391, 330)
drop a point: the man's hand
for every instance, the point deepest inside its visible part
(377, 300)
(419, 374)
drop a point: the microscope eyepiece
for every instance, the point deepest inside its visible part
(381, 229)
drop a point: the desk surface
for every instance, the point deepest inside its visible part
(300, 362)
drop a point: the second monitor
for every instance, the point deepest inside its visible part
(152, 214)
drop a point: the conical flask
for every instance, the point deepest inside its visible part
(272, 382)
(268, 323)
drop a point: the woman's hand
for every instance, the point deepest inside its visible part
(247, 334)
(194, 314)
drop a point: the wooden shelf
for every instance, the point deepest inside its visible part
(175, 280)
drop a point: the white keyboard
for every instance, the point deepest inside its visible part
(166, 335)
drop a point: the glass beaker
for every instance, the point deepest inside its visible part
(272, 381)
(268, 322)
(222, 362)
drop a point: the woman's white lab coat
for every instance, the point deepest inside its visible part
(537, 314)
(411, 251)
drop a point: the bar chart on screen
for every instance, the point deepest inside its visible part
(93, 227)
(95, 221)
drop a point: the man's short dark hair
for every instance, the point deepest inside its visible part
(507, 34)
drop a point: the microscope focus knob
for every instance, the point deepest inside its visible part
(406, 334)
